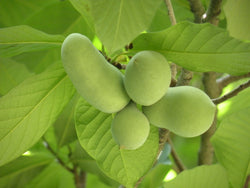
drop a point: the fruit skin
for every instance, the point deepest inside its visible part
(147, 77)
(185, 110)
(97, 81)
(130, 127)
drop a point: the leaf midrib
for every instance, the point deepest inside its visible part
(64, 76)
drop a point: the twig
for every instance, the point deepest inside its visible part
(185, 77)
(175, 156)
(57, 157)
(213, 11)
(232, 93)
(224, 81)
(80, 178)
(171, 12)
(197, 9)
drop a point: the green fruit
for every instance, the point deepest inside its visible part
(184, 110)
(130, 127)
(97, 81)
(147, 77)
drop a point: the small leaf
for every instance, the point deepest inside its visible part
(11, 74)
(29, 109)
(231, 143)
(118, 22)
(198, 47)
(19, 39)
(213, 176)
(125, 166)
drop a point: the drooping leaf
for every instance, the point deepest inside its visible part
(231, 143)
(94, 133)
(238, 14)
(18, 39)
(29, 109)
(203, 176)
(198, 47)
(64, 126)
(53, 176)
(118, 22)
(23, 170)
(11, 74)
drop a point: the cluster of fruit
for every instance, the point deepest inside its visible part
(184, 110)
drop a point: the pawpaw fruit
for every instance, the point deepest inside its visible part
(186, 111)
(130, 127)
(147, 77)
(96, 80)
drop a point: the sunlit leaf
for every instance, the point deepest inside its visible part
(118, 22)
(29, 109)
(18, 39)
(125, 166)
(198, 47)
(231, 143)
(203, 176)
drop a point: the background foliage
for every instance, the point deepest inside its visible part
(51, 137)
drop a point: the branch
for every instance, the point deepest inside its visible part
(171, 12)
(80, 178)
(57, 157)
(175, 156)
(213, 11)
(206, 153)
(232, 93)
(224, 81)
(197, 9)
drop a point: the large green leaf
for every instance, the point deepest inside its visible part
(11, 74)
(29, 109)
(238, 14)
(198, 47)
(18, 39)
(213, 176)
(52, 177)
(231, 143)
(118, 22)
(19, 172)
(125, 166)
